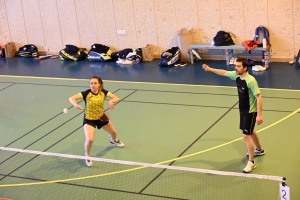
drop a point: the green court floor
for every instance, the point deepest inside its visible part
(192, 126)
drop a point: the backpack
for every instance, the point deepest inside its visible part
(297, 61)
(223, 39)
(28, 51)
(72, 53)
(262, 32)
(170, 57)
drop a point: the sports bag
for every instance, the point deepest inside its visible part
(28, 51)
(170, 57)
(100, 53)
(72, 53)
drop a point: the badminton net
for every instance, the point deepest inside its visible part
(38, 175)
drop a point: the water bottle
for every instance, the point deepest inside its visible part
(264, 43)
(47, 50)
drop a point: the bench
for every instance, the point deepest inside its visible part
(229, 51)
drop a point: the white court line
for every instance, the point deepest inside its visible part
(133, 82)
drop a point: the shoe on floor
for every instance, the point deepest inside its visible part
(258, 68)
(183, 64)
(234, 61)
(117, 143)
(231, 61)
(250, 167)
(88, 162)
(258, 152)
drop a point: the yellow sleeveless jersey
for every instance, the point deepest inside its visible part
(94, 103)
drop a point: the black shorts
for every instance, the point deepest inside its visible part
(247, 122)
(104, 120)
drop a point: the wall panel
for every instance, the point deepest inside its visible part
(209, 19)
(187, 16)
(296, 25)
(166, 27)
(4, 28)
(255, 14)
(33, 23)
(124, 19)
(16, 22)
(281, 28)
(105, 24)
(145, 23)
(86, 22)
(68, 22)
(232, 15)
(51, 25)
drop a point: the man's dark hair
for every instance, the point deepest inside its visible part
(244, 62)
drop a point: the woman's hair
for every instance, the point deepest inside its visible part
(99, 80)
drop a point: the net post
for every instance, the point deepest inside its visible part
(284, 182)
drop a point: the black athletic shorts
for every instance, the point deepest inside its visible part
(97, 123)
(247, 122)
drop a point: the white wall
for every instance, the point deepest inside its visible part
(55, 23)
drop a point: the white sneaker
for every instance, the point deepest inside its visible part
(117, 143)
(258, 68)
(88, 162)
(250, 167)
(258, 152)
(234, 61)
(120, 61)
(183, 64)
(261, 68)
(231, 61)
(292, 62)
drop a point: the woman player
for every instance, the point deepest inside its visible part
(94, 115)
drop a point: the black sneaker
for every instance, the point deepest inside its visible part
(258, 152)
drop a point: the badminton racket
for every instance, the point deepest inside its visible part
(46, 57)
(195, 55)
(105, 115)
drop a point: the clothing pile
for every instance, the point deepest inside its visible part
(129, 57)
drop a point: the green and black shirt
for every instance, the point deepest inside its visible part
(247, 90)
